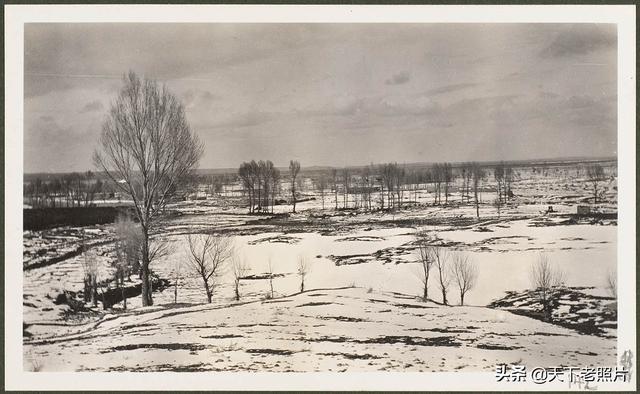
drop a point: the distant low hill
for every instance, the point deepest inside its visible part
(310, 169)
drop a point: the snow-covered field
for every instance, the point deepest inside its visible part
(321, 330)
(358, 257)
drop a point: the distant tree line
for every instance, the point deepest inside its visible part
(395, 185)
(68, 190)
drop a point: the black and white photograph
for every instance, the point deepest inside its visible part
(442, 196)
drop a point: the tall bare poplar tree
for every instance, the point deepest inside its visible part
(294, 169)
(146, 148)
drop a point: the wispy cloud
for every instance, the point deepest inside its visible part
(449, 88)
(399, 79)
(92, 106)
(246, 119)
(580, 41)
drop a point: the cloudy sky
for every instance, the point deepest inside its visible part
(330, 94)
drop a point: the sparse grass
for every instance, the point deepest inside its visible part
(231, 347)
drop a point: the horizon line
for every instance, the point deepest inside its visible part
(419, 163)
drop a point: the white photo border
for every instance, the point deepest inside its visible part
(17, 15)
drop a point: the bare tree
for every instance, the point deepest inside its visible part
(294, 169)
(544, 277)
(90, 268)
(207, 255)
(177, 264)
(425, 260)
(399, 177)
(304, 268)
(239, 269)
(321, 185)
(466, 180)
(612, 283)
(146, 148)
(477, 174)
(346, 180)
(245, 174)
(498, 175)
(439, 256)
(447, 178)
(595, 175)
(509, 175)
(389, 173)
(128, 251)
(334, 177)
(464, 273)
(274, 177)
(270, 267)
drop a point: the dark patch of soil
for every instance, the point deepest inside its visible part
(163, 346)
(342, 318)
(200, 367)
(448, 330)
(262, 276)
(360, 239)
(415, 306)
(579, 317)
(497, 347)
(262, 325)
(222, 336)
(392, 339)
(280, 352)
(130, 326)
(315, 304)
(276, 239)
(351, 356)
(549, 334)
(277, 301)
(587, 353)
(350, 259)
(416, 341)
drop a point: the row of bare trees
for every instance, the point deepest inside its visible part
(210, 254)
(69, 190)
(391, 181)
(450, 268)
(261, 181)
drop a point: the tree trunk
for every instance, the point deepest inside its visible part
(94, 290)
(145, 282)
(302, 286)
(461, 298)
(175, 291)
(444, 297)
(237, 292)
(446, 193)
(293, 196)
(87, 289)
(124, 296)
(147, 300)
(475, 193)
